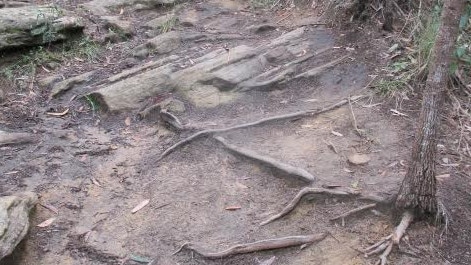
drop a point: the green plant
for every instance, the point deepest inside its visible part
(414, 65)
(168, 25)
(93, 102)
(45, 24)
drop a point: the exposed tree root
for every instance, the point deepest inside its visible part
(276, 243)
(255, 123)
(334, 192)
(354, 211)
(283, 167)
(385, 245)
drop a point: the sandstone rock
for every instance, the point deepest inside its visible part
(101, 7)
(14, 220)
(358, 159)
(161, 44)
(69, 83)
(48, 81)
(22, 26)
(118, 26)
(158, 22)
(217, 77)
(173, 105)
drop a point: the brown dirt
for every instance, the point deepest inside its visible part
(190, 189)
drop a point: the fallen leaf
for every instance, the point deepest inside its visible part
(83, 158)
(50, 207)
(336, 133)
(121, 11)
(268, 261)
(46, 223)
(94, 181)
(393, 48)
(127, 121)
(140, 259)
(58, 114)
(140, 206)
(233, 208)
(11, 172)
(311, 100)
(355, 184)
(358, 159)
(397, 113)
(446, 160)
(442, 177)
(241, 186)
(348, 170)
(87, 236)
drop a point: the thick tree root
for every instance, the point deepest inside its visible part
(386, 244)
(268, 244)
(255, 123)
(283, 167)
(335, 192)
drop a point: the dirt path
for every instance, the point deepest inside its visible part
(96, 167)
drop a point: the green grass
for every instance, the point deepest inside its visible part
(168, 25)
(93, 102)
(26, 65)
(413, 66)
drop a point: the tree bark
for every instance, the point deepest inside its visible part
(418, 189)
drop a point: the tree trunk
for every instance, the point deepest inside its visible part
(418, 189)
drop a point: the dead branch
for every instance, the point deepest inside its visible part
(354, 211)
(385, 245)
(276, 243)
(255, 123)
(281, 166)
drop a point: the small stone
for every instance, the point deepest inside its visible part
(358, 159)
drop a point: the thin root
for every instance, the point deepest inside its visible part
(286, 168)
(385, 245)
(301, 194)
(354, 211)
(268, 244)
(270, 119)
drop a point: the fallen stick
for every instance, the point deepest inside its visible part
(283, 167)
(269, 119)
(356, 210)
(300, 195)
(276, 243)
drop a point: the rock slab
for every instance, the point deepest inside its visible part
(14, 220)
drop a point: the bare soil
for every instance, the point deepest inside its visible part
(94, 168)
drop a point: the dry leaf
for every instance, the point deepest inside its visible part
(127, 121)
(121, 11)
(11, 172)
(233, 208)
(58, 114)
(397, 113)
(140, 206)
(50, 207)
(241, 186)
(46, 223)
(94, 181)
(442, 177)
(336, 133)
(348, 170)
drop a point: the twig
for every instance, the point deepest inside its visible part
(356, 210)
(286, 168)
(255, 123)
(301, 194)
(268, 244)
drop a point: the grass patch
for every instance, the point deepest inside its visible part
(168, 25)
(413, 65)
(26, 64)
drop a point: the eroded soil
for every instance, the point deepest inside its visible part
(95, 167)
